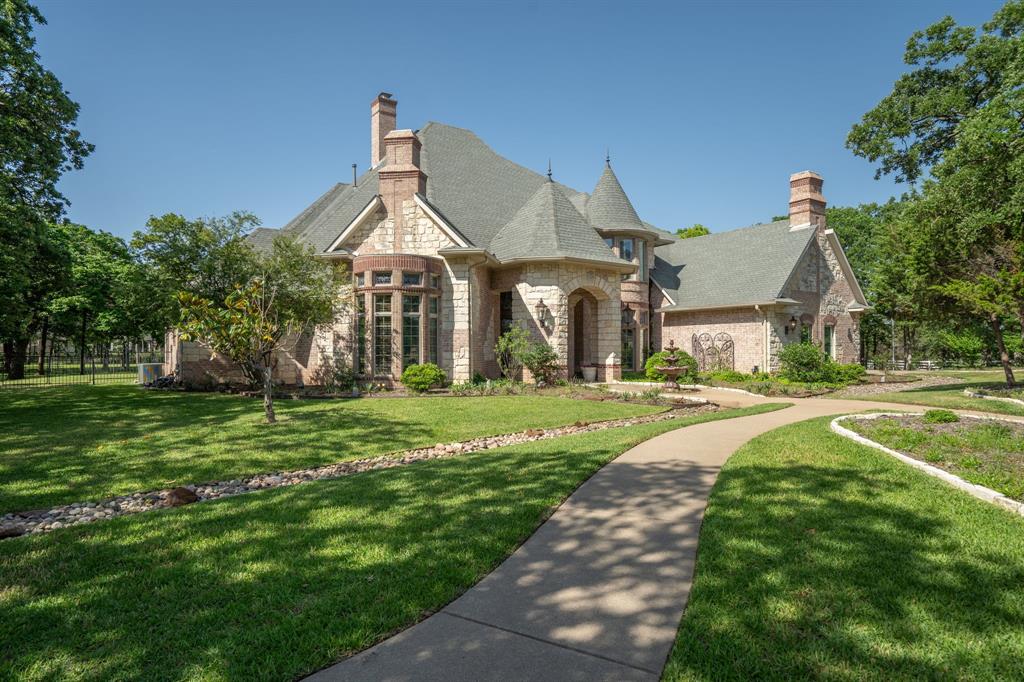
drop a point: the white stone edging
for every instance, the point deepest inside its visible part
(971, 394)
(697, 387)
(666, 391)
(973, 489)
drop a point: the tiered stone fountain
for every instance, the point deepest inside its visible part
(670, 370)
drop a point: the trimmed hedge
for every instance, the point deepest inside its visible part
(420, 378)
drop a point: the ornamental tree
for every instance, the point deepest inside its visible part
(289, 294)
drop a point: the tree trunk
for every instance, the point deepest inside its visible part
(19, 350)
(8, 347)
(81, 346)
(268, 392)
(1004, 357)
(42, 346)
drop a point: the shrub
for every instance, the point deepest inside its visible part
(802, 362)
(478, 378)
(542, 361)
(419, 378)
(656, 360)
(940, 417)
(509, 351)
(848, 374)
(730, 376)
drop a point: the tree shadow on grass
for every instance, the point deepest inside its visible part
(274, 585)
(851, 571)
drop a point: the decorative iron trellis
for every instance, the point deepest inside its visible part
(713, 352)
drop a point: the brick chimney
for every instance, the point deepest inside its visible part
(401, 177)
(383, 119)
(806, 203)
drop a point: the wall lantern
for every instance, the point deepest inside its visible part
(792, 324)
(544, 316)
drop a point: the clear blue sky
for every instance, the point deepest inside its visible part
(201, 108)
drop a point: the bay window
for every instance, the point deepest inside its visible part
(410, 329)
(382, 333)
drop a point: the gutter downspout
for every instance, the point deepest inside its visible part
(469, 308)
(766, 355)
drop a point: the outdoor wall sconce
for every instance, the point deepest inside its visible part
(544, 316)
(792, 324)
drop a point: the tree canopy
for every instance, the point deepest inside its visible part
(695, 230)
(955, 124)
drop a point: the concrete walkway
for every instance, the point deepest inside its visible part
(598, 591)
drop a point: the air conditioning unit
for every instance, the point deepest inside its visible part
(150, 371)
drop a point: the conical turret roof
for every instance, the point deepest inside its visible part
(549, 226)
(609, 208)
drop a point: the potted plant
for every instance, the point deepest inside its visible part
(589, 372)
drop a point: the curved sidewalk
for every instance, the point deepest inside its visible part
(597, 592)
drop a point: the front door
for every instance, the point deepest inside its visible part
(578, 337)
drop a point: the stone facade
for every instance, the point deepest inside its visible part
(448, 300)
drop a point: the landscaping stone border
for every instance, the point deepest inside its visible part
(972, 394)
(44, 520)
(695, 387)
(973, 489)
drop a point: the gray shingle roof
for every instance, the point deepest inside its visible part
(549, 226)
(338, 208)
(301, 222)
(476, 190)
(741, 267)
(262, 238)
(609, 208)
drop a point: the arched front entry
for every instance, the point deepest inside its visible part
(583, 318)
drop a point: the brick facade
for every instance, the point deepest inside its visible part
(583, 311)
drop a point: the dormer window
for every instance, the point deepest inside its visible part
(610, 241)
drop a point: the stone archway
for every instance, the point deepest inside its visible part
(583, 326)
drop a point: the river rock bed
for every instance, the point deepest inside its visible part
(78, 513)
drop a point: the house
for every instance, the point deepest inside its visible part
(448, 244)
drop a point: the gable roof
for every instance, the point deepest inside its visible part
(741, 267)
(549, 226)
(477, 191)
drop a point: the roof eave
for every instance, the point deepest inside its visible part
(622, 266)
(464, 252)
(726, 306)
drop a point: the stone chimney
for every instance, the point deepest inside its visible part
(401, 178)
(383, 119)
(806, 203)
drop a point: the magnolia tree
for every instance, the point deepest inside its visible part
(289, 294)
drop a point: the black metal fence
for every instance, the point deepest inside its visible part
(60, 365)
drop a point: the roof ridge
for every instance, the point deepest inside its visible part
(736, 229)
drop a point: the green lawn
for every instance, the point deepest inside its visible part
(92, 442)
(952, 396)
(282, 582)
(823, 559)
(988, 452)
